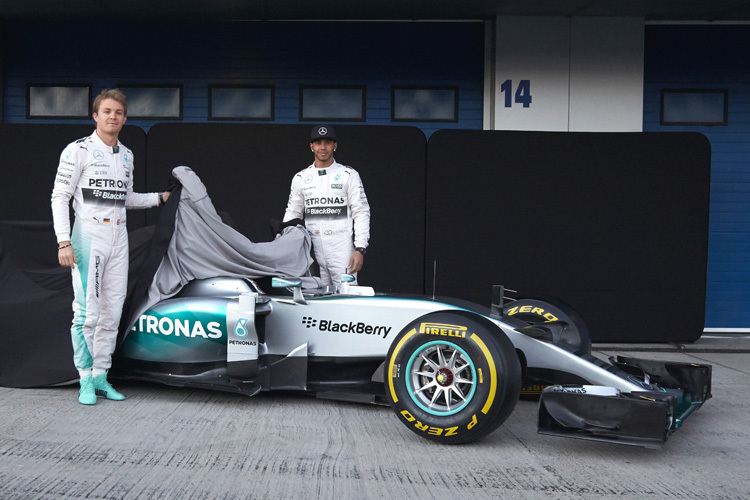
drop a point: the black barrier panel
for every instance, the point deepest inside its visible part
(616, 224)
(29, 156)
(248, 170)
(36, 295)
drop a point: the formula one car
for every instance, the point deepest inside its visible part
(202, 315)
(452, 371)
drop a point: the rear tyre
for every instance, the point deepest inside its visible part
(541, 310)
(452, 377)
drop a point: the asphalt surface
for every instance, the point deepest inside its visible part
(174, 443)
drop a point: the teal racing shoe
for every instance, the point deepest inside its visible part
(87, 394)
(104, 389)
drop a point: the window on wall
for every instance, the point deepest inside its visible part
(694, 107)
(229, 102)
(58, 101)
(344, 103)
(424, 104)
(163, 102)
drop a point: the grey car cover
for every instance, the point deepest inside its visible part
(203, 246)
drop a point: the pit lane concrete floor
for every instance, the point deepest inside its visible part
(173, 443)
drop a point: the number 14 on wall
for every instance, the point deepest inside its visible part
(523, 92)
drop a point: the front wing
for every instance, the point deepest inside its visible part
(642, 418)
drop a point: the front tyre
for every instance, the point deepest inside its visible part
(452, 377)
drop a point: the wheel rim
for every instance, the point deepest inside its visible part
(441, 378)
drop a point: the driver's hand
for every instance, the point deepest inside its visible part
(66, 256)
(355, 262)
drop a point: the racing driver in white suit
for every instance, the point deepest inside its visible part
(97, 172)
(330, 198)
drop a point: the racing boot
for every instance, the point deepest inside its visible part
(103, 388)
(87, 394)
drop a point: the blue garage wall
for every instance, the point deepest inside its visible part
(283, 54)
(713, 57)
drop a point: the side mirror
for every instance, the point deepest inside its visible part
(294, 284)
(284, 283)
(345, 280)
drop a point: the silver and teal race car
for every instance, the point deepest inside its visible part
(211, 309)
(452, 371)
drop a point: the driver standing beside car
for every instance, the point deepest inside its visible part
(330, 198)
(97, 172)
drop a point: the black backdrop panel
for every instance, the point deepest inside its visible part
(31, 153)
(248, 170)
(616, 224)
(36, 298)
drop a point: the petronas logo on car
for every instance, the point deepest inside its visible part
(359, 327)
(164, 325)
(240, 329)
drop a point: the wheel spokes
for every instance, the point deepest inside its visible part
(443, 379)
(457, 390)
(441, 357)
(435, 396)
(430, 362)
(426, 387)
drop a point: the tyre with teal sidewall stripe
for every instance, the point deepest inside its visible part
(452, 376)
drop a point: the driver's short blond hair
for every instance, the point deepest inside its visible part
(115, 94)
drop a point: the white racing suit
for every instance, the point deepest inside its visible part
(333, 203)
(99, 178)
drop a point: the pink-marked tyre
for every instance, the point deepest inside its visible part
(452, 376)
